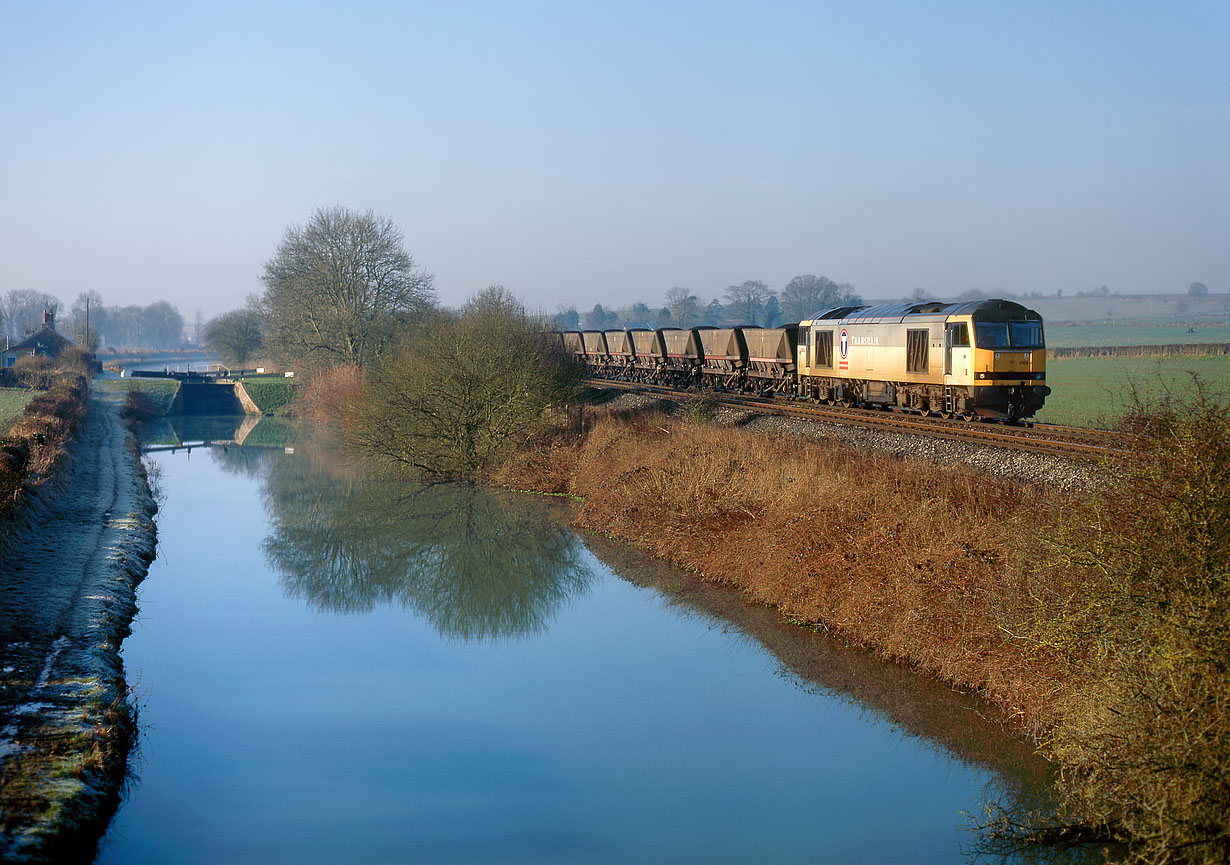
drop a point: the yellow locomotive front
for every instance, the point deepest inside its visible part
(983, 358)
(995, 359)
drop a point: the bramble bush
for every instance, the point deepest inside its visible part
(1144, 735)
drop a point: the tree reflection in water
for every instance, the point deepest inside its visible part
(477, 565)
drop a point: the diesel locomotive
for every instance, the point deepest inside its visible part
(983, 358)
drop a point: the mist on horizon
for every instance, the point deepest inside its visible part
(608, 154)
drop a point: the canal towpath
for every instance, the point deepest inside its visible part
(69, 566)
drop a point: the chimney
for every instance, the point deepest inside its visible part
(49, 319)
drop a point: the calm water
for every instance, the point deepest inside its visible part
(338, 671)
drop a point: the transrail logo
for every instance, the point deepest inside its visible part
(844, 344)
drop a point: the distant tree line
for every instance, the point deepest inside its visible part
(750, 302)
(754, 302)
(157, 325)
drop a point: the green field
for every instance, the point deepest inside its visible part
(12, 401)
(1094, 391)
(161, 389)
(1069, 335)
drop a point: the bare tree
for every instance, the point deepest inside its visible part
(747, 299)
(338, 289)
(92, 302)
(162, 325)
(236, 335)
(806, 295)
(24, 310)
(684, 306)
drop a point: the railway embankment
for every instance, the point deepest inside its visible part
(73, 550)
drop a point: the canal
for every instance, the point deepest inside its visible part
(335, 669)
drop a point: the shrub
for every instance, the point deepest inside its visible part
(455, 399)
(1145, 626)
(332, 396)
(37, 439)
(34, 371)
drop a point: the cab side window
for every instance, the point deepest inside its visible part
(960, 335)
(824, 349)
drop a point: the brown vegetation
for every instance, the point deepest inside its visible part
(333, 396)
(37, 439)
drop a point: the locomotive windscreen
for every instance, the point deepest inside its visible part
(1008, 334)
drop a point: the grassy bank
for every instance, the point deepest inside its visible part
(273, 396)
(12, 401)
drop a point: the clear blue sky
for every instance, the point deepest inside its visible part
(589, 152)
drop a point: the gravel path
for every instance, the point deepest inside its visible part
(68, 576)
(1050, 471)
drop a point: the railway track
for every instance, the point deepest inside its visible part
(1049, 439)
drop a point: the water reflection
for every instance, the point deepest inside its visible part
(961, 725)
(177, 431)
(477, 566)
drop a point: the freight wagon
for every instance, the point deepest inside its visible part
(978, 359)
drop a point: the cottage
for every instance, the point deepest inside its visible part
(45, 342)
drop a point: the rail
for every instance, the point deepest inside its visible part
(1049, 439)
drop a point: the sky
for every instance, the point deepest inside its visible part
(604, 152)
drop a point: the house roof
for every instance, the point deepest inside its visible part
(45, 341)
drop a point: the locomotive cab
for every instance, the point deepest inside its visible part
(1005, 349)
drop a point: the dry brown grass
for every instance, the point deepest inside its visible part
(333, 396)
(37, 439)
(922, 564)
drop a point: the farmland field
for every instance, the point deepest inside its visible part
(1094, 391)
(12, 401)
(1069, 335)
